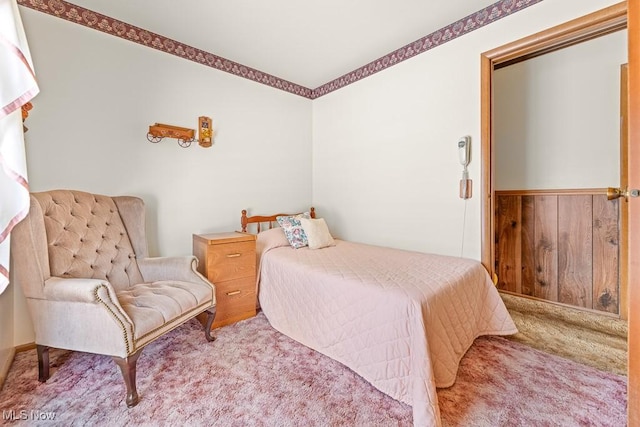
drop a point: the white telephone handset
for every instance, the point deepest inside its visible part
(464, 150)
(464, 154)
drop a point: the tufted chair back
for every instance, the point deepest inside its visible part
(86, 238)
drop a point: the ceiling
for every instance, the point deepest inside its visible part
(306, 43)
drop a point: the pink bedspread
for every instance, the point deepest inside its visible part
(400, 319)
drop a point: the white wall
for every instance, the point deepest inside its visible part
(385, 165)
(557, 118)
(87, 131)
(99, 94)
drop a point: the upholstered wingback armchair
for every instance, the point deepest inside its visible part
(90, 285)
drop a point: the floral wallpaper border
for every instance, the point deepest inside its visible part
(79, 15)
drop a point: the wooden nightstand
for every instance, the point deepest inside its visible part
(228, 260)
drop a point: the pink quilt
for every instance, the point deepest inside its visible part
(400, 319)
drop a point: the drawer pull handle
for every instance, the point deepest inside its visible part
(233, 255)
(232, 293)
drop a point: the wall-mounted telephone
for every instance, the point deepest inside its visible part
(464, 155)
(464, 150)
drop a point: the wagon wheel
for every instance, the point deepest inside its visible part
(153, 138)
(184, 143)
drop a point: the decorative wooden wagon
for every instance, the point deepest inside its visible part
(159, 131)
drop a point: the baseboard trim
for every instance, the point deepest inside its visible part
(559, 304)
(25, 347)
(5, 365)
(590, 319)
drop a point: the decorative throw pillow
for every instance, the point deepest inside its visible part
(317, 233)
(293, 229)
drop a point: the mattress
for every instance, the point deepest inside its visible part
(400, 319)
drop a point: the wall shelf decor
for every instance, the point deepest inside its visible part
(185, 136)
(159, 131)
(205, 131)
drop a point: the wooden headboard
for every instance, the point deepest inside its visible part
(271, 219)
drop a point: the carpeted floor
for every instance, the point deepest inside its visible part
(254, 376)
(590, 338)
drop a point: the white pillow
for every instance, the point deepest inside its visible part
(317, 233)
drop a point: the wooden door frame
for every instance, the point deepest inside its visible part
(624, 183)
(633, 272)
(613, 18)
(605, 21)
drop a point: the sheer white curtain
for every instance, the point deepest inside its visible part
(17, 87)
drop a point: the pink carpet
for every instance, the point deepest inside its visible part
(254, 376)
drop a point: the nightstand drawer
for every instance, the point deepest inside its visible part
(231, 261)
(236, 300)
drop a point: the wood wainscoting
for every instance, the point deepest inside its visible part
(559, 245)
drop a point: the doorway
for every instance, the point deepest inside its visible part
(557, 147)
(561, 270)
(605, 21)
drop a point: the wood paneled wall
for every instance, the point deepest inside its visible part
(559, 246)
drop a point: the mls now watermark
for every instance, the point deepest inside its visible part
(24, 415)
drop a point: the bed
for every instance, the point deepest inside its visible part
(400, 319)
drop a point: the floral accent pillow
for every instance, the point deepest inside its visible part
(293, 229)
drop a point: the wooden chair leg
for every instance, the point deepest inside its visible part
(128, 368)
(43, 362)
(211, 315)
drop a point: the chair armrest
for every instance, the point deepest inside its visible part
(93, 291)
(171, 268)
(74, 290)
